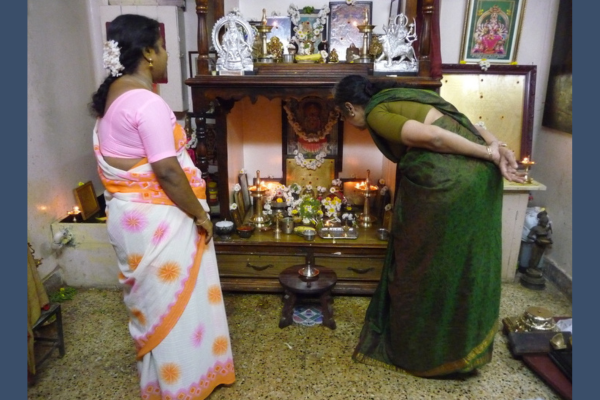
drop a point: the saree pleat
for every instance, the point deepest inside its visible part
(435, 310)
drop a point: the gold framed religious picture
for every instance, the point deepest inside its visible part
(312, 134)
(343, 22)
(85, 195)
(491, 31)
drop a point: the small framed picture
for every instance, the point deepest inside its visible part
(193, 60)
(343, 21)
(491, 31)
(282, 29)
(85, 195)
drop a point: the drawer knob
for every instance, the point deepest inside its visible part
(257, 268)
(361, 270)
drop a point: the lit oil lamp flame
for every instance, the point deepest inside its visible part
(527, 161)
(363, 186)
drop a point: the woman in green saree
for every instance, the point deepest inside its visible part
(435, 310)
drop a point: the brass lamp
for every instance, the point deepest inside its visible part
(365, 219)
(258, 193)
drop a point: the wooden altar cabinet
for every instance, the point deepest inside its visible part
(219, 93)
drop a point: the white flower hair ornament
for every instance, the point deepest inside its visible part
(110, 57)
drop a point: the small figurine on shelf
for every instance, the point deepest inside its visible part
(352, 53)
(376, 48)
(333, 56)
(275, 48)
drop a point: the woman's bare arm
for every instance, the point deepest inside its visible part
(434, 138)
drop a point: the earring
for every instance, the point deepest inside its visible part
(150, 63)
(352, 114)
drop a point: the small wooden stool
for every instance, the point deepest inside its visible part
(296, 285)
(57, 342)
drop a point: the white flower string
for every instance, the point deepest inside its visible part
(110, 57)
(312, 164)
(192, 142)
(484, 64)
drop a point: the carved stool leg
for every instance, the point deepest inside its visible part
(327, 309)
(287, 312)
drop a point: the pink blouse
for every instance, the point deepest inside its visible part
(138, 124)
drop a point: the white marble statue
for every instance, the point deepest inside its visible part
(398, 53)
(234, 48)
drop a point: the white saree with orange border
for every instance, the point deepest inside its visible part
(171, 282)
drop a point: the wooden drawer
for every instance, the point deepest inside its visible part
(350, 267)
(256, 265)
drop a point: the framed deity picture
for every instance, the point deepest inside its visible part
(312, 137)
(492, 31)
(282, 29)
(309, 28)
(343, 21)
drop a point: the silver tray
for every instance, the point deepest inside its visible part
(337, 232)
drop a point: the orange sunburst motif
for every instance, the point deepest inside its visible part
(169, 272)
(139, 315)
(220, 345)
(134, 260)
(170, 372)
(214, 294)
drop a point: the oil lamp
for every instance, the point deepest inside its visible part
(527, 163)
(366, 30)
(264, 30)
(258, 193)
(365, 219)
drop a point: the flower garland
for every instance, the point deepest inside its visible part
(484, 64)
(312, 164)
(192, 141)
(331, 121)
(110, 58)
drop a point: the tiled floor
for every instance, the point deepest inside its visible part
(296, 362)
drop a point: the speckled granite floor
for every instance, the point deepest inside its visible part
(296, 362)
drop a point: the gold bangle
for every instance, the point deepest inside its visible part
(203, 221)
(489, 151)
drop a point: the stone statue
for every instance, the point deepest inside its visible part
(541, 234)
(541, 238)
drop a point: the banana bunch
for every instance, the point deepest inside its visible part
(308, 57)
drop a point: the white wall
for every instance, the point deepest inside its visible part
(63, 69)
(59, 87)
